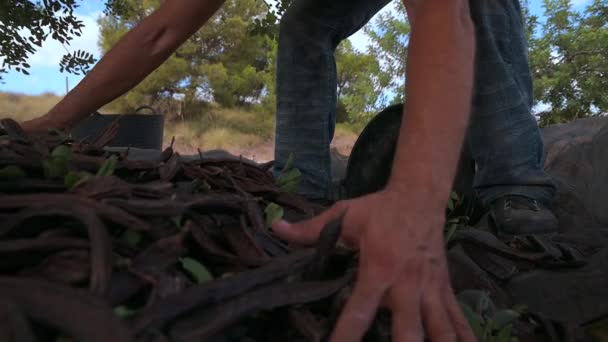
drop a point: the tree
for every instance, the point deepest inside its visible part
(569, 59)
(221, 62)
(359, 82)
(25, 25)
(389, 37)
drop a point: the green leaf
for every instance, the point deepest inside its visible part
(11, 172)
(124, 312)
(521, 308)
(274, 212)
(598, 330)
(450, 233)
(503, 318)
(60, 133)
(454, 196)
(290, 176)
(62, 151)
(198, 271)
(289, 163)
(451, 205)
(475, 321)
(504, 335)
(73, 179)
(55, 168)
(178, 220)
(108, 167)
(290, 187)
(131, 237)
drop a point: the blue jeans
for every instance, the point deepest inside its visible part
(503, 137)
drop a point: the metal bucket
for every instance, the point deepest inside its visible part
(144, 131)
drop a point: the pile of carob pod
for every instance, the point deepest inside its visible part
(95, 246)
(99, 245)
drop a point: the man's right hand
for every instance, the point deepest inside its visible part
(40, 125)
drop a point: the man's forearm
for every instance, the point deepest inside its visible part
(440, 75)
(136, 55)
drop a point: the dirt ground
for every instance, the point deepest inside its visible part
(264, 152)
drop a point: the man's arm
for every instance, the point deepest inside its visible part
(135, 56)
(399, 230)
(439, 83)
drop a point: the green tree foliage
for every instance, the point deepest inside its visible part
(360, 83)
(569, 58)
(389, 37)
(25, 25)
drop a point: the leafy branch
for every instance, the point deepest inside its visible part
(25, 25)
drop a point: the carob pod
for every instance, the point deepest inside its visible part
(109, 213)
(14, 326)
(326, 245)
(169, 207)
(72, 312)
(204, 325)
(11, 128)
(164, 311)
(101, 248)
(8, 247)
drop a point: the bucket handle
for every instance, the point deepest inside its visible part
(145, 107)
(140, 108)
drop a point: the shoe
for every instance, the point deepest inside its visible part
(335, 193)
(520, 215)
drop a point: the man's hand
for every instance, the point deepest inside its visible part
(402, 266)
(41, 125)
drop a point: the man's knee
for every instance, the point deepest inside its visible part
(291, 21)
(305, 21)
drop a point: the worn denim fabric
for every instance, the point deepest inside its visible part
(503, 137)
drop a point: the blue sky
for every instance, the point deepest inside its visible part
(45, 76)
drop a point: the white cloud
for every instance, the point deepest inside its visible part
(49, 55)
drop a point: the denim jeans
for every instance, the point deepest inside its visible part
(503, 137)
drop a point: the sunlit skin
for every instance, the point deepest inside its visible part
(399, 230)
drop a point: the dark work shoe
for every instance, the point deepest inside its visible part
(520, 215)
(335, 193)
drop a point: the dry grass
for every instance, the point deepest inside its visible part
(346, 130)
(233, 128)
(23, 107)
(225, 138)
(222, 128)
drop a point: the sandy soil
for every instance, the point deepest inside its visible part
(264, 152)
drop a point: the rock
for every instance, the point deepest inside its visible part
(576, 158)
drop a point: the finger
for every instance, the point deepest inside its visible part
(404, 302)
(307, 232)
(437, 321)
(359, 312)
(459, 322)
